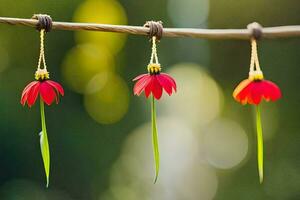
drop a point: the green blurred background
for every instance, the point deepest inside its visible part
(99, 133)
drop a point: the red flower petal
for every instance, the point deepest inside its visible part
(272, 90)
(257, 91)
(57, 87)
(149, 87)
(47, 92)
(141, 83)
(139, 77)
(170, 79)
(33, 93)
(156, 88)
(25, 92)
(28, 86)
(165, 83)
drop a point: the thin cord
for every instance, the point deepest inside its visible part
(42, 51)
(254, 63)
(256, 55)
(154, 52)
(41, 56)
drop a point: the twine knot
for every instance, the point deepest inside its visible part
(155, 29)
(44, 22)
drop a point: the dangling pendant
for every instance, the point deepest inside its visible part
(153, 83)
(252, 91)
(48, 92)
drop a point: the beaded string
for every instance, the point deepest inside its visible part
(254, 57)
(42, 51)
(154, 57)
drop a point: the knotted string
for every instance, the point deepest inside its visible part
(256, 33)
(43, 25)
(154, 57)
(254, 63)
(155, 34)
(42, 51)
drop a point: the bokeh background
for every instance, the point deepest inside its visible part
(99, 134)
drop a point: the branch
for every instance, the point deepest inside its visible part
(242, 34)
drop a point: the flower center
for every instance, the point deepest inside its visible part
(256, 75)
(41, 74)
(154, 68)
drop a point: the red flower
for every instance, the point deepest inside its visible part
(49, 90)
(154, 82)
(253, 90)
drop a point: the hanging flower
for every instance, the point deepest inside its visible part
(154, 82)
(252, 91)
(48, 91)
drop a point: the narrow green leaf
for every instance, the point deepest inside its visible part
(260, 154)
(155, 139)
(44, 144)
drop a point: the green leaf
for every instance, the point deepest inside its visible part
(44, 144)
(260, 154)
(155, 139)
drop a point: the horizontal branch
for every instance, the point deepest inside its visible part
(243, 34)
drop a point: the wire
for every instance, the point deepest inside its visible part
(242, 34)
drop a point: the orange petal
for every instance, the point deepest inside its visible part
(239, 88)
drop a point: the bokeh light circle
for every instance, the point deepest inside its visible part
(83, 62)
(225, 143)
(110, 103)
(104, 12)
(199, 99)
(179, 151)
(188, 13)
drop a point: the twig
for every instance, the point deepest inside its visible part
(243, 34)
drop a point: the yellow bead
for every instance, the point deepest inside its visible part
(256, 75)
(41, 74)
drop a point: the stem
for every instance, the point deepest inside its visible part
(260, 156)
(44, 143)
(155, 138)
